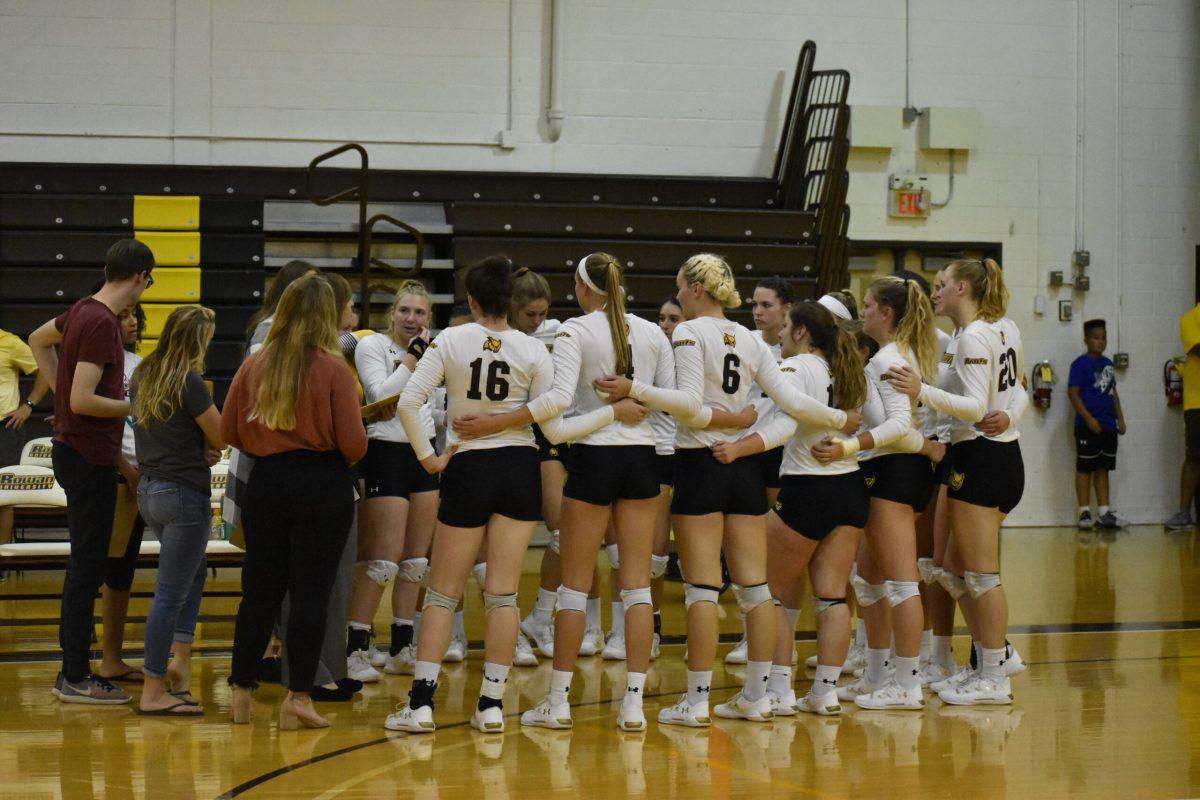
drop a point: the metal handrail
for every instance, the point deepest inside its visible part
(394, 271)
(359, 191)
(797, 100)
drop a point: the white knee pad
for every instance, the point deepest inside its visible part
(899, 591)
(955, 586)
(636, 597)
(413, 570)
(480, 573)
(751, 597)
(614, 556)
(554, 542)
(699, 593)
(381, 572)
(823, 604)
(435, 598)
(980, 583)
(928, 571)
(658, 566)
(571, 600)
(867, 594)
(493, 601)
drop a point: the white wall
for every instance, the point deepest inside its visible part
(1089, 129)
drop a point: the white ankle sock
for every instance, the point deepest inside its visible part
(1085, 510)
(877, 662)
(699, 683)
(635, 687)
(426, 671)
(757, 674)
(780, 680)
(1101, 511)
(495, 678)
(908, 671)
(826, 679)
(560, 686)
(991, 663)
(943, 651)
(545, 604)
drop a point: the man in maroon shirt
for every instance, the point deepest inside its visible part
(89, 412)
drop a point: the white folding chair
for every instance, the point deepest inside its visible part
(37, 452)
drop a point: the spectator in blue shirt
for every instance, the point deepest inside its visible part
(1092, 389)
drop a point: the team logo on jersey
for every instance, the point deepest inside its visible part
(948, 358)
(870, 481)
(561, 334)
(730, 340)
(787, 369)
(979, 361)
(1002, 338)
(778, 506)
(491, 343)
(956, 479)
(683, 343)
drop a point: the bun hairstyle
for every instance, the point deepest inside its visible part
(490, 283)
(912, 317)
(527, 287)
(408, 288)
(839, 347)
(987, 285)
(781, 288)
(713, 274)
(604, 272)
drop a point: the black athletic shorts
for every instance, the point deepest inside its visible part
(770, 463)
(604, 474)
(666, 468)
(900, 477)
(813, 505)
(704, 485)
(1191, 435)
(391, 469)
(987, 473)
(1095, 451)
(548, 451)
(941, 470)
(479, 483)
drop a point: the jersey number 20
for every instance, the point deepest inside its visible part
(1008, 370)
(496, 387)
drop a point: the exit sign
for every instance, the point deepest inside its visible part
(908, 203)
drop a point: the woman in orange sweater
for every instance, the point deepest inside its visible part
(294, 407)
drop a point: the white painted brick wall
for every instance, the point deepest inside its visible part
(696, 87)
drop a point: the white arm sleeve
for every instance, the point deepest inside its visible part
(911, 442)
(778, 431)
(685, 401)
(557, 428)
(898, 412)
(567, 359)
(373, 365)
(1018, 402)
(788, 397)
(429, 375)
(972, 362)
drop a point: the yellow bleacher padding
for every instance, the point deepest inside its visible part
(156, 213)
(174, 285)
(156, 317)
(172, 249)
(146, 346)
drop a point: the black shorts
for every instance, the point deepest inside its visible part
(941, 470)
(479, 483)
(548, 451)
(666, 468)
(1095, 451)
(1191, 435)
(391, 469)
(770, 463)
(813, 505)
(12, 442)
(900, 477)
(604, 474)
(704, 485)
(987, 473)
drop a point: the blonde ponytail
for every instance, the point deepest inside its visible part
(987, 285)
(605, 272)
(913, 320)
(714, 275)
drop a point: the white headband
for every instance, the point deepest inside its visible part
(836, 307)
(581, 273)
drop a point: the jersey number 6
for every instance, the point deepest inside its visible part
(496, 388)
(731, 379)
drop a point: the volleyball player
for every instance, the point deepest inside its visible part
(492, 485)
(897, 315)
(716, 361)
(670, 314)
(987, 475)
(396, 521)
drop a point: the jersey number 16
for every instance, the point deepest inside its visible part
(496, 387)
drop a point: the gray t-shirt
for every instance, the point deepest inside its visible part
(175, 450)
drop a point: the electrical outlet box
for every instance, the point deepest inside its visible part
(1121, 360)
(1082, 283)
(1056, 278)
(1081, 258)
(1065, 310)
(875, 126)
(948, 128)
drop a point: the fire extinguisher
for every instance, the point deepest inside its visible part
(1043, 384)
(1173, 381)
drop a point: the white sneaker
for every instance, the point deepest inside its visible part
(523, 654)
(826, 704)
(592, 642)
(656, 648)
(933, 672)
(858, 686)
(810, 662)
(979, 691)
(412, 720)
(964, 673)
(456, 651)
(856, 659)
(1013, 663)
(686, 714)
(892, 697)
(544, 715)
(358, 667)
(379, 657)
(614, 647)
(738, 655)
(738, 707)
(402, 663)
(631, 718)
(490, 720)
(541, 634)
(783, 705)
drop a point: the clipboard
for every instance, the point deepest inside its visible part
(371, 410)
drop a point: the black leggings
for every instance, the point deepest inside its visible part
(296, 516)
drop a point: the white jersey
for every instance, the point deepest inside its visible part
(810, 374)
(663, 425)
(583, 353)
(988, 362)
(546, 332)
(947, 380)
(763, 405)
(717, 361)
(888, 415)
(382, 374)
(127, 447)
(933, 421)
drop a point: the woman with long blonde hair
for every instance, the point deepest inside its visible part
(177, 433)
(294, 407)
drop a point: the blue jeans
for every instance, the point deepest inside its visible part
(180, 518)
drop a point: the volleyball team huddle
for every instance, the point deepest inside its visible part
(872, 453)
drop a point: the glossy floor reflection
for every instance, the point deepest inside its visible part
(1100, 713)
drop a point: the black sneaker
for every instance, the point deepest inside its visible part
(1110, 520)
(92, 690)
(1085, 521)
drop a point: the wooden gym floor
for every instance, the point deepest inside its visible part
(1110, 707)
